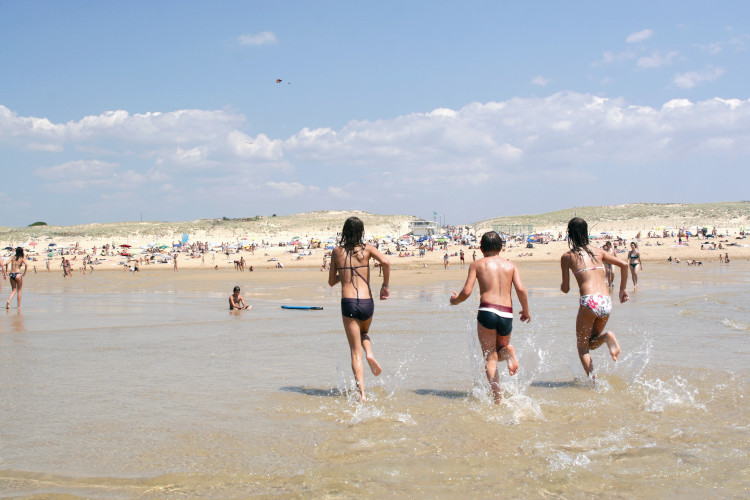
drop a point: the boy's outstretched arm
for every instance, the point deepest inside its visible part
(523, 297)
(457, 297)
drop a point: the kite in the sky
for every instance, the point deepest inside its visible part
(279, 80)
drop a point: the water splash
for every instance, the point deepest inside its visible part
(660, 395)
(736, 325)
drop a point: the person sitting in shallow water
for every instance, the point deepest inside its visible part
(236, 301)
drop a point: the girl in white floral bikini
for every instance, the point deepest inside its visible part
(586, 263)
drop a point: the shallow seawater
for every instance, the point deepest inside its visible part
(122, 386)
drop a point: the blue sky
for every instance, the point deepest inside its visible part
(171, 110)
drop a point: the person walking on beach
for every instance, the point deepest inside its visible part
(608, 269)
(634, 257)
(496, 277)
(350, 266)
(586, 263)
(16, 276)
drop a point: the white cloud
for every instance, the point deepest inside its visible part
(639, 36)
(657, 59)
(540, 81)
(262, 38)
(692, 79)
(614, 57)
(290, 189)
(203, 158)
(77, 169)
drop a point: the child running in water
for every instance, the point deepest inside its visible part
(587, 264)
(496, 276)
(350, 266)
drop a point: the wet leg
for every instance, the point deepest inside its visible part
(507, 353)
(13, 287)
(351, 326)
(367, 346)
(584, 328)
(488, 343)
(609, 338)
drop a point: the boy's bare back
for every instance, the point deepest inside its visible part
(495, 276)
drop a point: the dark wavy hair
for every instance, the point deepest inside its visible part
(19, 253)
(491, 242)
(578, 236)
(352, 234)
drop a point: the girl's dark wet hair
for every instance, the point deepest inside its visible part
(578, 236)
(352, 234)
(491, 242)
(19, 253)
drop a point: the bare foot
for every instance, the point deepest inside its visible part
(374, 365)
(512, 361)
(614, 347)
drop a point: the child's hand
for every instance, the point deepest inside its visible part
(454, 299)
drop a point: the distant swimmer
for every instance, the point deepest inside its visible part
(496, 277)
(236, 301)
(350, 266)
(586, 263)
(15, 275)
(634, 257)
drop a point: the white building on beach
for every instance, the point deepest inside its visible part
(423, 228)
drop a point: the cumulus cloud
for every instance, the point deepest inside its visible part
(610, 57)
(639, 36)
(87, 174)
(657, 59)
(692, 79)
(262, 38)
(203, 158)
(540, 81)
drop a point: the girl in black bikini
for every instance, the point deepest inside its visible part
(16, 276)
(634, 257)
(350, 266)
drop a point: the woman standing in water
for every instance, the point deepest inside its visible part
(350, 266)
(16, 276)
(634, 257)
(587, 264)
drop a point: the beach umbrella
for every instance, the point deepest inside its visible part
(9, 248)
(52, 245)
(124, 246)
(33, 243)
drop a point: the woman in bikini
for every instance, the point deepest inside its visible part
(350, 266)
(634, 258)
(586, 263)
(16, 276)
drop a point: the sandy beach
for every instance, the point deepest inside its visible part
(301, 240)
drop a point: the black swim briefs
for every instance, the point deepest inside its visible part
(360, 309)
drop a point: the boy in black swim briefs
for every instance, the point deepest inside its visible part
(496, 276)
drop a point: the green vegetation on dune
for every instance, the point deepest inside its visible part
(681, 213)
(643, 215)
